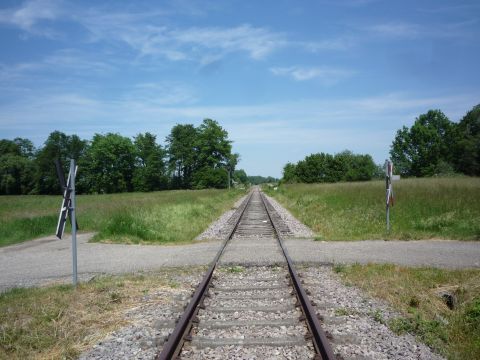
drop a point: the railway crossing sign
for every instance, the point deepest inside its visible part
(68, 209)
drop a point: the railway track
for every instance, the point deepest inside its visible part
(256, 311)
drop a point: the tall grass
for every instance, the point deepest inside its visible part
(158, 217)
(446, 208)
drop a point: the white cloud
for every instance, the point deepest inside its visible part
(30, 14)
(327, 75)
(143, 33)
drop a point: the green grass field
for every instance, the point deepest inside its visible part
(413, 292)
(158, 217)
(444, 208)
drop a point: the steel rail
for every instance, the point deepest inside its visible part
(173, 346)
(320, 341)
(174, 343)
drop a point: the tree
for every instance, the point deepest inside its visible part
(213, 156)
(322, 167)
(26, 148)
(214, 148)
(354, 167)
(109, 164)
(258, 179)
(150, 173)
(315, 168)
(467, 147)
(57, 146)
(290, 173)
(240, 176)
(425, 148)
(182, 154)
(9, 147)
(16, 167)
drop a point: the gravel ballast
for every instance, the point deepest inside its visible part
(298, 229)
(151, 320)
(356, 321)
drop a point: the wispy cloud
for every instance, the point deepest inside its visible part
(69, 61)
(397, 29)
(327, 75)
(147, 95)
(410, 30)
(195, 44)
(31, 14)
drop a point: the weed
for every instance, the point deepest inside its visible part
(236, 269)
(378, 316)
(115, 297)
(414, 301)
(343, 312)
(339, 268)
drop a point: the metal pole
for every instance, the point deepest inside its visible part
(74, 223)
(388, 218)
(228, 178)
(387, 187)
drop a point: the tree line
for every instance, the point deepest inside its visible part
(322, 167)
(192, 158)
(432, 146)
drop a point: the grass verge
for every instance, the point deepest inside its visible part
(158, 217)
(424, 209)
(59, 322)
(414, 292)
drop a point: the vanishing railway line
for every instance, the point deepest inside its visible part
(260, 308)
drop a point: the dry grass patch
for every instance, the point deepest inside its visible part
(59, 322)
(414, 292)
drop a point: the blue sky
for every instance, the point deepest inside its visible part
(285, 78)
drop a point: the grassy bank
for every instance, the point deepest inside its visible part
(424, 209)
(58, 322)
(158, 217)
(414, 293)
